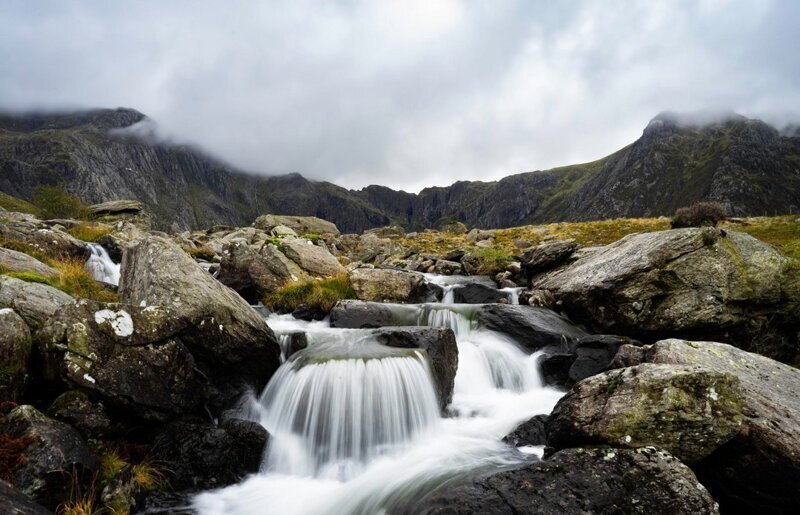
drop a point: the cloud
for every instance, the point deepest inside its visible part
(406, 94)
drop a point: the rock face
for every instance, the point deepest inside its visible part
(689, 411)
(440, 346)
(40, 235)
(299, 224)
(13, 261)
(34, 302)
(202, 456)
(311, 258)
(15, 353)
(678, 282)
(255, 270)
(581, 481)
(16, 503)
(387, 284)
(225, 333)
(759, 469)
(533, 328)
(49, 453)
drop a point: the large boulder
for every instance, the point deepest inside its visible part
(13, 261)
(588, 356)
(299, 224)
(759, 469)
(532, 327)
(357, 314)
(254, 270)
(387, 284)
(314, 259)
(17, 503)
(46, 458)
(116, 207)
(15, 353)
(581, 481)
(227, 338)
(683, 282)
(546, 255)
(689, 411)
(440, 346)
(39, 235)
(35, 303)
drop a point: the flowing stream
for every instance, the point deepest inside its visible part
(355, 426)
(101, 266)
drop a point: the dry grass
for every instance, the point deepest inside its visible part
(316, 293)
(149, 476)
(72, 278)
(90, 233)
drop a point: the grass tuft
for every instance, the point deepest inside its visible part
(72, 278)
(316, 293)
(492, 260)
(90, 233)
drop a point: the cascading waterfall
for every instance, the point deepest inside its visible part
(355, 427)
(101, 266)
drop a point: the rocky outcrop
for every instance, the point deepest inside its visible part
(689, 411)
(440, 346)
(581, 481)
(35, 303)
(314, 259)
(254, 270)
(39, 235)
(15, 353)
(78, 410)
(227, 338)
(546, 255)
(759, 469)
(533, 328)
(680, 282)
(299, 224)
(116, 207)
(13, 261)
(49, 457)
(387, 284)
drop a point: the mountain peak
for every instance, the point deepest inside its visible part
(99, 119)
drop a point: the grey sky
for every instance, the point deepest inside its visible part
(410, 93)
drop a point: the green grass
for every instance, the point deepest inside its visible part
(322, 294)
(10, 203)
(313, 237)
(492, 260)
(72, 279)
(90, 233)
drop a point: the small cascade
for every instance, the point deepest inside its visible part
(513, 294)
(458, 317)
(101, 266)
(329, 418)
(285, 343)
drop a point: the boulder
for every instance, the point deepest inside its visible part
(201, 456)
(594, 353)
(759, 469)
(299, 224)
(538, 298)
(581, 481)
(440, 346)
(226, 337)
(682, 282)
(38, 235)
(445, 267)
(79, 411)
(689, 411)
(312, 258)
(116, 207)
(387, 284)
(17, 503)
(555, 367)
(281, 231)
(547, 255)
(34, 302)
(477, 293)
(356, 314)
(15, 354)
(476, 235)
(391, 231)
(454, 227)
(46, 458)
(13, 261)
(530, 432)
(533, 328)
(255, 270)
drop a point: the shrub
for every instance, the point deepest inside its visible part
(492, 260)
(321, 294)
(54, 202)
(90, 233)
(699, 214)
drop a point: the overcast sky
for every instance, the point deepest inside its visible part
(410, 93)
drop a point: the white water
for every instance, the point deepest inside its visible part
(100, 265)
(356, 429)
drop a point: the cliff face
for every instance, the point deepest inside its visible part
(744, 163)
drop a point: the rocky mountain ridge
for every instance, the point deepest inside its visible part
(744, 163)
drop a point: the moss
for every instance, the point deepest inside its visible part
(316, 238)
(614, 382)
(316, 293)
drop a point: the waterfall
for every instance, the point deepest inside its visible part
(100, 265)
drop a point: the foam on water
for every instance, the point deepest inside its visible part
(101, 266)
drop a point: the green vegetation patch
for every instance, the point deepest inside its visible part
(317, 293)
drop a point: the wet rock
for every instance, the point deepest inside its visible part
(308, 313)
(17, 503)
(13, 261)
(226, 337)
(387, 284)
(34, 302)
(533, 328)
(582, 481)
(76, 409)
(299, 224)
(49, 456)
(356, 314)
(530, 432)
(15, 354)
(555, 368)
(689, 411)
(255, 270)
(200, 455)
(759, 469)
(477, 293)
(681, 282)
(440, 346)
(594, 353)
(312, 258)
(538, 298)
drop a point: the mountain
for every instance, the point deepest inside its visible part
(98, 155)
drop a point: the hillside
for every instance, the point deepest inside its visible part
(741, 162)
